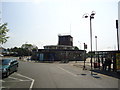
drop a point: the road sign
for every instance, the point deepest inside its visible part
(85, 46)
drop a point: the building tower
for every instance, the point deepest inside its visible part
(65, 40)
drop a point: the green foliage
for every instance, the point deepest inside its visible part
(76, 48)
(24, 50)
(30, 47)
(3, 33)
(21, 51)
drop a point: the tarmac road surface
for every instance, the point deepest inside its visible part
(56, 75)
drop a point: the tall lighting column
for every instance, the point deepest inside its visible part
(96, 42)
(91, 16)
(96, 47)
(117, 34)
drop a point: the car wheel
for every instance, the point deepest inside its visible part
(7, 73)
(16, 69)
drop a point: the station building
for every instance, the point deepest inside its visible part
(63, 51)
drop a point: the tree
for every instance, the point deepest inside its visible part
(20, 51)
(29, 47)
(24, 50)
(3, 33)
(76, 48)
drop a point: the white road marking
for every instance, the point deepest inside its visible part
(15, 78)
(30, 79)
(1, 84)
(19, 81)
(2, 81)
(67, 71)
(1, 87)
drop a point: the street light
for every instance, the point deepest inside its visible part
(96, 42)
(91, 17)
(117, 34)
(96, 48)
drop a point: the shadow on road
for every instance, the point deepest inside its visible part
(108, 73)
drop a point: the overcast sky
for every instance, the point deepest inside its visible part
(39, 22)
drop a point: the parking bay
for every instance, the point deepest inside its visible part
(16, 80)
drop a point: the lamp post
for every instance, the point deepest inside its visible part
(96, 48)
(91, 16)
(96, 42)
(117, 34)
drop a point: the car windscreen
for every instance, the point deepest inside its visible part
(5, 62)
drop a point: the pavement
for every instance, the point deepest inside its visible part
(80, 64)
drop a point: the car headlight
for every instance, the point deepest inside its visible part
(4, 69)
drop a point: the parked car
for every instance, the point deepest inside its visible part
(8, 66)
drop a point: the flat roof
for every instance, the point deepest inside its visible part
(58, 50)
(64, 35)
(108, 51)
(58, 46)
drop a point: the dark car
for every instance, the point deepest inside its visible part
(8, 66)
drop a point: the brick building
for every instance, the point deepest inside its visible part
(64, 51)
(65, 40)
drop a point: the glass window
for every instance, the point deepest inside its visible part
(5, 61)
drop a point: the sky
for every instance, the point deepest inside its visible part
(39, 22)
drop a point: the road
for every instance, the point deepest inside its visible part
(56, 75)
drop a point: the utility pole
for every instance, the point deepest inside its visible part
(117, 34)
(85, 47)
(91, 16)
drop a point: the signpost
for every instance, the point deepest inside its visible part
(85, 47)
